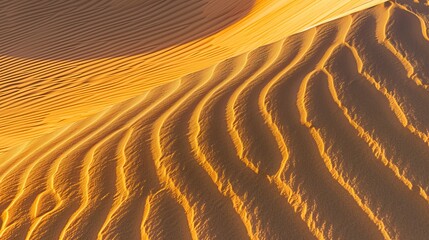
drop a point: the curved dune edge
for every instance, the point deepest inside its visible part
(320, 135)
(41, 95)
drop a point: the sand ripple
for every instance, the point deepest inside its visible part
(324, 134)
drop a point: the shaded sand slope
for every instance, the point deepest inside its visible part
(63, 61)
(321, 135)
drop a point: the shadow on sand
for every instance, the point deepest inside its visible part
(81, 29)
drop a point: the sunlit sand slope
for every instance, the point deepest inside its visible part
(65, 60)
(322, 135)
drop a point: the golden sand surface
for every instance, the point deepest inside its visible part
(63, 61)
(286, 120)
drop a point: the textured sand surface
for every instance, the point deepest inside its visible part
(62, 61)
(321, 134)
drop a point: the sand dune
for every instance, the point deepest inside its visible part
(64, 61)
(322, 134)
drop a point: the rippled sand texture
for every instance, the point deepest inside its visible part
(62, 61)
(324, 134)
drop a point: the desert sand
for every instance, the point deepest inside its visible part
(214, 119)
(63, 61)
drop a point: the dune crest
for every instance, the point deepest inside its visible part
(321, 135)
(64, 61)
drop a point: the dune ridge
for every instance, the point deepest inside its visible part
(320, 135)
(66, 61)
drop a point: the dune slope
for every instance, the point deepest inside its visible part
(64, 61)
(320, 135)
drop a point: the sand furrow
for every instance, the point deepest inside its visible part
(166, 218)
(410, 42)
(331, 166)
(163, 171)
(357, 95)
(201, 158)
(209, 119)
(244, 113)
(192, 178)
(294, 198)
(402, 118)
(140, 166)
(99, 189)
(407, 96)
(376, 147)
(123, 192)
(70, 161)
(60, 58)
(303, 169)
(225, 161)
(268, 58)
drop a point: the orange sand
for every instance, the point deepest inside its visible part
(264, 127)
